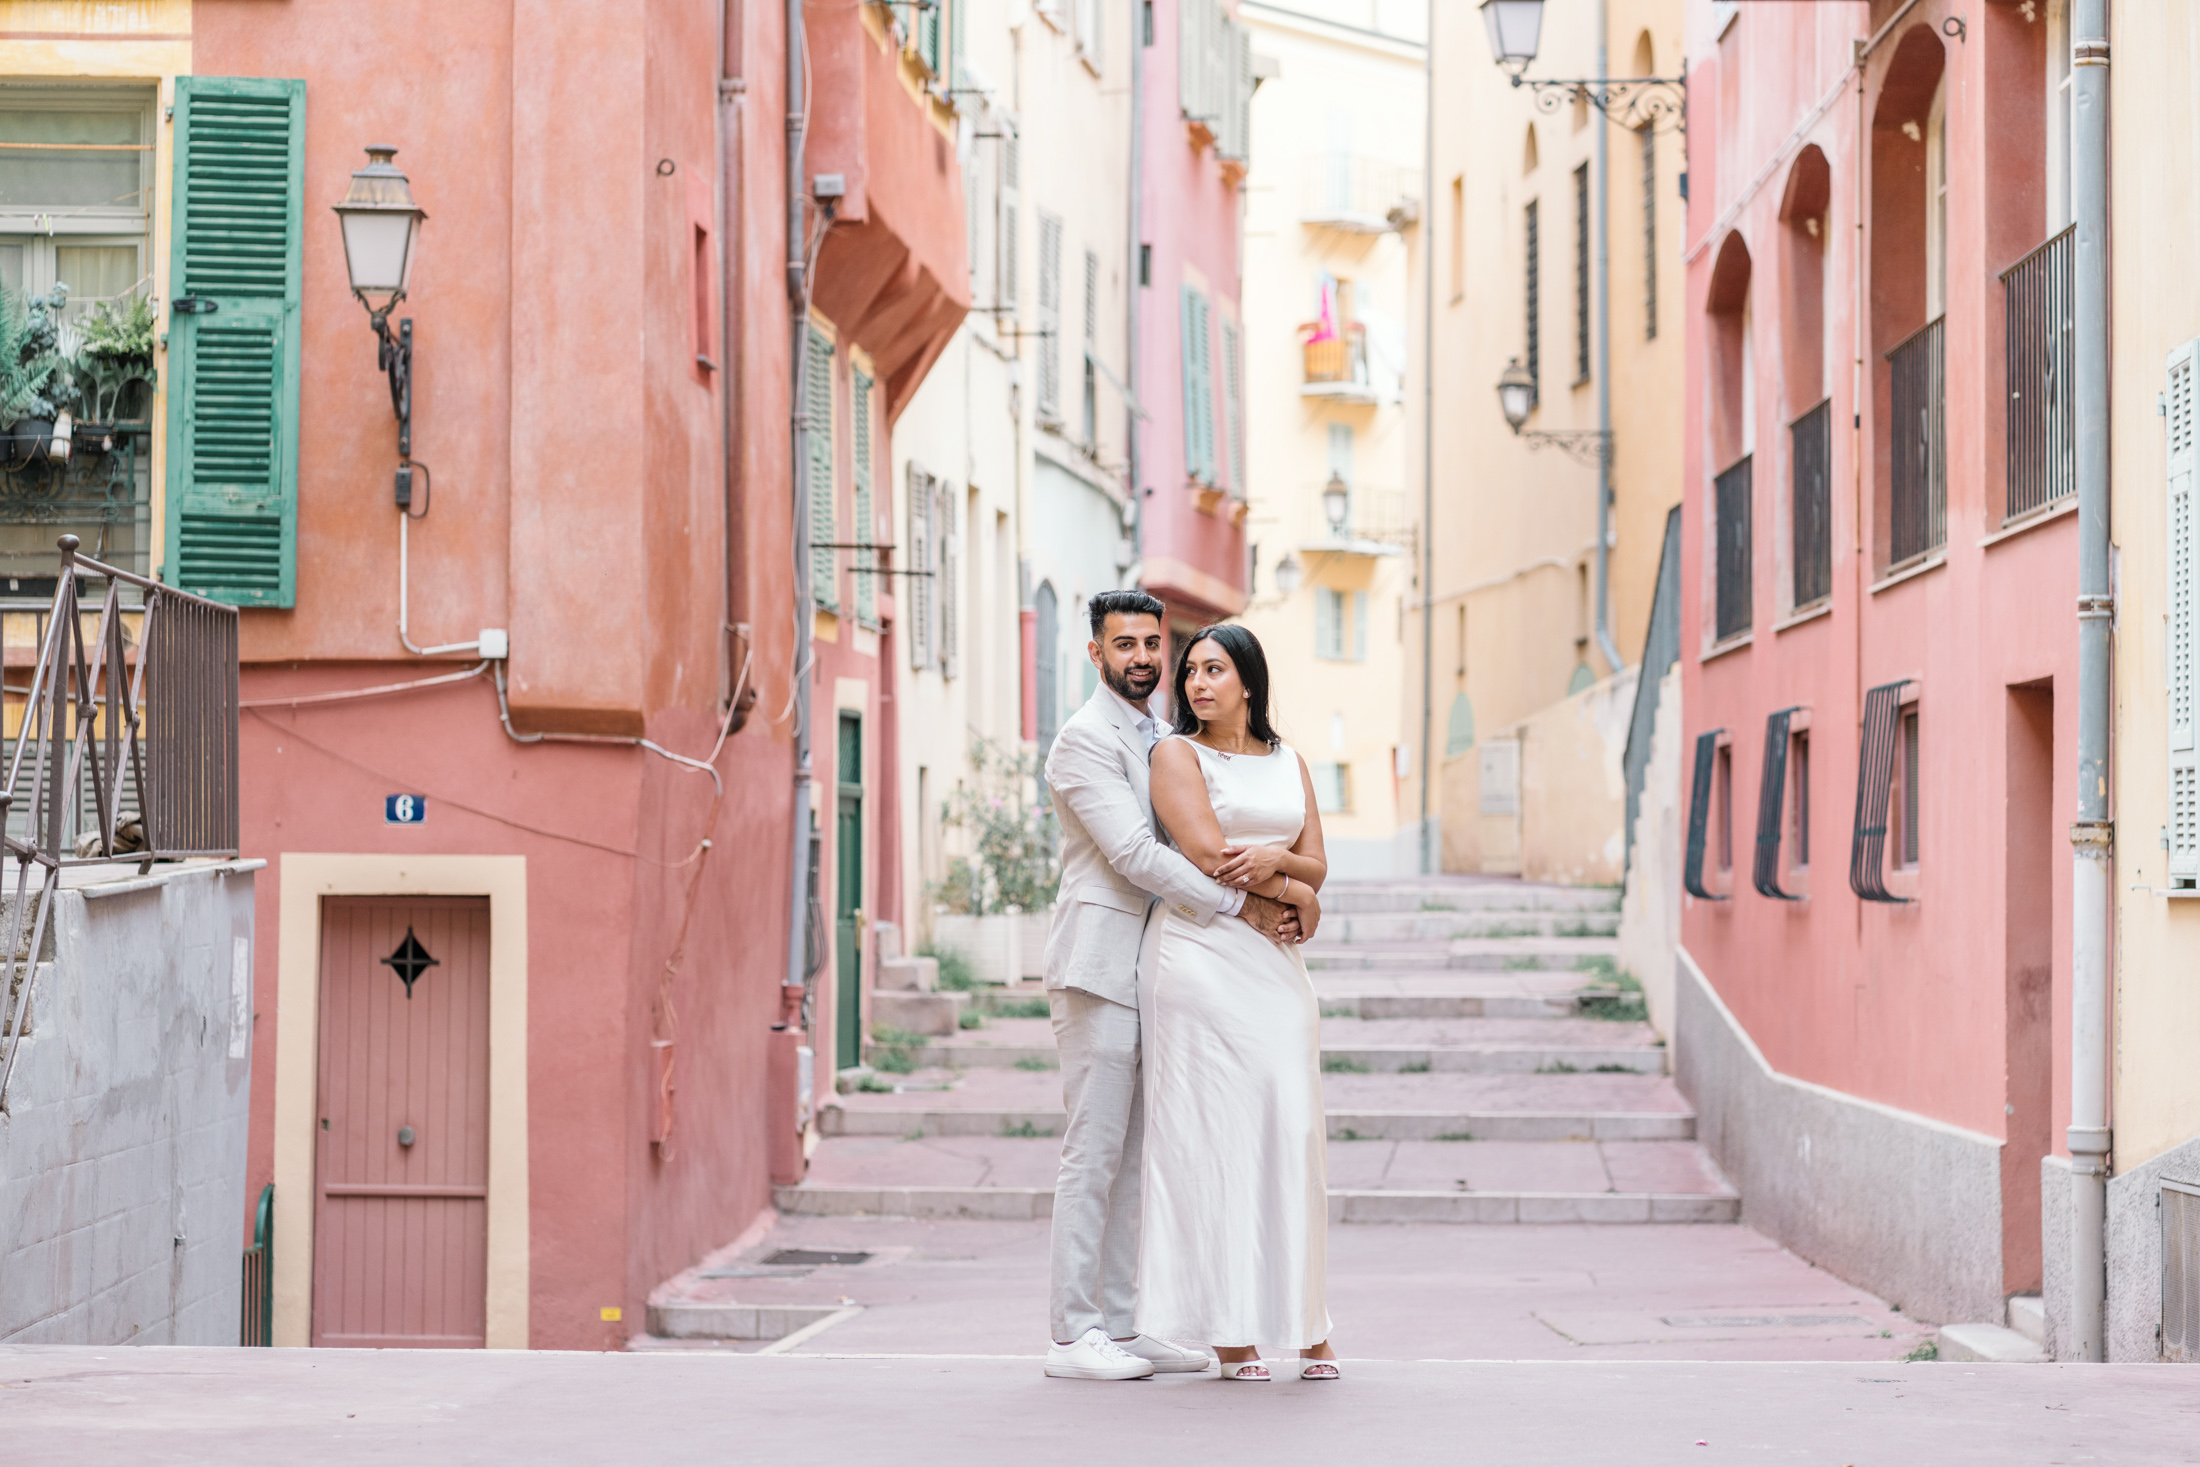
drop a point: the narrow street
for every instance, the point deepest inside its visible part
(1511, 1175)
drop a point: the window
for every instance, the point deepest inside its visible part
(866, 527)
(1341, 441)
(1722, 794)
(2181, 407)
(1199, 389)
(920, 611)
(1340, 621)
(1092, 336)
(817, 404)
(1215, 74)
(1531, 288)
(1050, 318)
(1458, 239)
(1234, 405)
(1811, 505)
(1799, 799)
(1936, 205)
(2038, 296)
(1649, 136)
(1332, 787)
(1906, 777)
(76, 172)
(1581, 274)
(2058, 115)
(1918, 493)
(1008, 296)
(702, 272)
(1733, 601)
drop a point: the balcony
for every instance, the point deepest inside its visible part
(2043, 458)
(1377, 522)
(1358, 195)
(1337, 366)
(1918, 497)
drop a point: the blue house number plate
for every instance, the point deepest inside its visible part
(404, 809)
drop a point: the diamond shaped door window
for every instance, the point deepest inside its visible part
(410, 961)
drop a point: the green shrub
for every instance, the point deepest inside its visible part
(956, 974)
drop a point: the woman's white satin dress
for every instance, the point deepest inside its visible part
(1234, 1245)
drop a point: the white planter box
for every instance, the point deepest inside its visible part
(1000, 949)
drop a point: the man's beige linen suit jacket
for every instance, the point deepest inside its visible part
(1114, 857)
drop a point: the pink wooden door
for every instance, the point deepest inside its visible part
(400, 1232)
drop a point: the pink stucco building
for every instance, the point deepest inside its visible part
(1879, 659)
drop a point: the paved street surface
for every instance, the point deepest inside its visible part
(333, 1408)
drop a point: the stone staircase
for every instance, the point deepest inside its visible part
(1481, 1065)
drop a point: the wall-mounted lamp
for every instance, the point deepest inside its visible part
(1336, 503)
(1289, 575)
(1516, 398)
(381, 226)
(1516, 34)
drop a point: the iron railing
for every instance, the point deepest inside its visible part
(1874, 785)
(1772, 808)
(2037, 293)
(1341, 357)
(1359, 195)
(256, 1312)
(1699, 816)
(1918, 523)
(1731, 504)
(121, 747)
(1811, 504)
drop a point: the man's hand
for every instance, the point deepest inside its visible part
(1271, 919)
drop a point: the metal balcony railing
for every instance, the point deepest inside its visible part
(2043, 455)
(1361, 195)
(1732, 509)
(1341, 358)
(1811, 502)
(122, 746)
(1372, 516)
(1918, 501)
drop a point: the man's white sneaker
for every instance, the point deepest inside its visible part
(1093, 1356)
(1165, 1356)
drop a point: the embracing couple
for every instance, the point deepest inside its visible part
(1193, 1200)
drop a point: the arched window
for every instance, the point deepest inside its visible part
(1908, 279)
(1808, 545)
(1732, 440)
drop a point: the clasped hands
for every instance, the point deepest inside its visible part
(1246, 867)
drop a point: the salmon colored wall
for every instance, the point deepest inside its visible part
(1902, 1005)
(578, 501)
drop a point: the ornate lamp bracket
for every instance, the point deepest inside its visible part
(1634, 102)
(1585, 445)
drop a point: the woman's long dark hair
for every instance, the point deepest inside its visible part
(1243, 649)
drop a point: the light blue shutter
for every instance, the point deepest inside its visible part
(1199, 390)
(232, 496)
(866, 527)
(1328, 616)
(1359, 626)
(824, 530)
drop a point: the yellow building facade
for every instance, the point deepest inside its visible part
(1332, 204)
(1528, 696)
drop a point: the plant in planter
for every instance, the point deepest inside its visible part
(993, 901)
(31, 372)
(114, 364)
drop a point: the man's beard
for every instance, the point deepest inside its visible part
(1121, 680)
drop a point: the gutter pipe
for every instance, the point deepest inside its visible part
(798, 858)
(1612, 663)
(2092, 836)
(1133, 455)
(1428, 428)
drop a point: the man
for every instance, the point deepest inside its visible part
(1114, 865)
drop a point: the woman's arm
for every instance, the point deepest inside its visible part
(1180, 801)
(1309, 859)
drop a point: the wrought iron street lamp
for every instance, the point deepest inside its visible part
(1289, 575)
(1516, 33)
(381, 226)
(1516, 398)
(1336, 503)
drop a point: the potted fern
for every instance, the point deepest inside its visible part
(32, 372)
(114, 367)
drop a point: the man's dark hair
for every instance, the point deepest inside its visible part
(1245, 654)
(1123, 603)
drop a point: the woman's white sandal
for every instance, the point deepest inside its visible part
(1319, 1370)
(1244, 1370)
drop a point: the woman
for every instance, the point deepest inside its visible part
(1235, 1234)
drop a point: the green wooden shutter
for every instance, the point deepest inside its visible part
(866, 527)
(232, 492)
(818, 390)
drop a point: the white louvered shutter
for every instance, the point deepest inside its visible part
(918, 599)
(1050, 317)
(1359, 626)
(1009, 239)
(949, 580)
(2181, 404)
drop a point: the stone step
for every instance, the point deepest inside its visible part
(1466, 954)
(913, 1122)
(2028, 1317)
(917, 1013)
(1381, 1059)
(1987, 1344)
(1443, 926)
(1454, 895)
(688, 1320)
(1346, 1205)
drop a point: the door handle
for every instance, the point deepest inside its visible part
(194, 305)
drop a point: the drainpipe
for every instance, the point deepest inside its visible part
(2091, 838)
(1133, 391)
(1604, 368)
(732, 97)
(1428, 428)
(798, 860)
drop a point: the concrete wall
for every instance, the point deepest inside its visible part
(122, 1145)
(1650, 907)
(1899, 1203)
